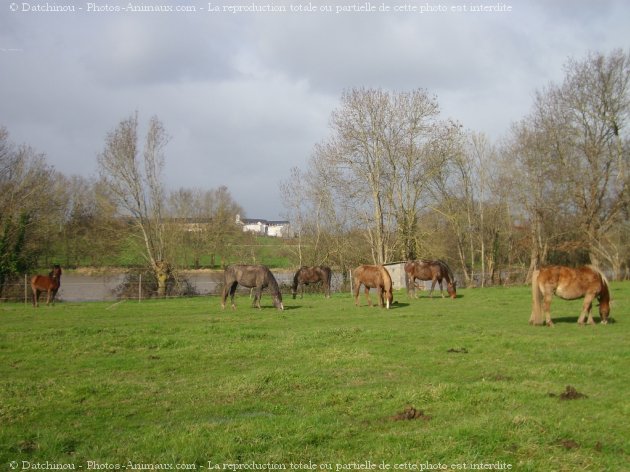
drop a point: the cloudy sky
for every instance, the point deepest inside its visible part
(246, 95)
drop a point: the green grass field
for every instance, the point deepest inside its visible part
(323, 385)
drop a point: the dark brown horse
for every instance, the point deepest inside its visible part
(250, 276)
(436, 271)
(569, 284)
(46, 283)
(373, 276)
(312, 275)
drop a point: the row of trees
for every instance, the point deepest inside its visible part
(48, 217)
(396, 179)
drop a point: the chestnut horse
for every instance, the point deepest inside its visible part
(250, 276)
(436, 271)
(46, 283)
(310, 275)
(569, 284)
(373, 276)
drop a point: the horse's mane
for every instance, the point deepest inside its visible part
(447, 269)
(386, 276)
(601, 274)
(271, 281)
(605, 282)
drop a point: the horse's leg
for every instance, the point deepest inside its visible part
(417, 286)
(232, 292)
(257, 296)
(35, 297)
(224, 294)
(433, 282)
(355, 289)
(548, 295)
(586, 309)
(381, 302)
(441, 289)
(367, 295)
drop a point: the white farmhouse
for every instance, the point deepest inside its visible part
(278, 229)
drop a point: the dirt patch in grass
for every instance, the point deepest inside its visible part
(411, 413)
(570, 393)
(461, 350)
(567, 444)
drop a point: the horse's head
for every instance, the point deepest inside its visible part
(55, 273)
(389, 297)
(388, 287)
(451, 288)
(277, 301)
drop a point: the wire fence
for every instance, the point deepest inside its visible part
(113, 287)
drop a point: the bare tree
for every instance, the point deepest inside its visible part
(31, 203)
(585, 122)
(378, 162)
(134, 179)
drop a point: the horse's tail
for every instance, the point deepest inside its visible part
(356, 283)
(536, 317)
(327, 279)
(408, 275)
(228, 274)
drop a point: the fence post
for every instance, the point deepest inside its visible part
(140, 288)
(25, 289)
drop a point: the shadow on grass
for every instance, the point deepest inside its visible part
(573, 319)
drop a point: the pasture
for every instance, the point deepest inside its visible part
(323, 385)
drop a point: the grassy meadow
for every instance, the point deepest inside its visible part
(432, 384)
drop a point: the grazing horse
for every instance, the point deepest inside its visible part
(436, 271)
(310, 275)
(569, 284)
(250, 276)
(46, 283)
(373, 276)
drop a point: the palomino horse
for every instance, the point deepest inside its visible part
(373, 276)
(250, 276)
(46, 283)
(570, 284)
(310, 275)
(436, 271)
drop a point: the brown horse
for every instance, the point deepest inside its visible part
(569, 284)
(250, 276)
(436, 271)
(373, 276)
(46, 283)
(310, 275)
